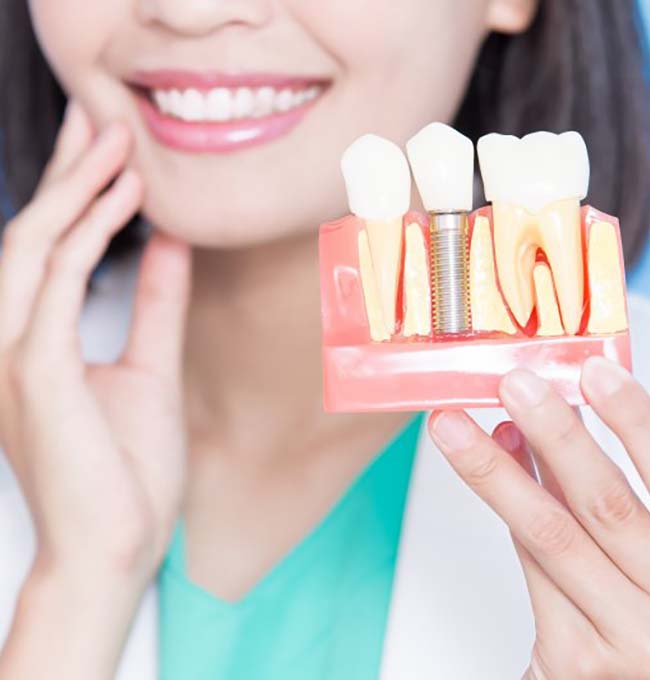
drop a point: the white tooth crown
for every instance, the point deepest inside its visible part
(536, 170)
(377, 179)
(222, 104)
(442, 160)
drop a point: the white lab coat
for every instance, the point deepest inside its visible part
(460, 609)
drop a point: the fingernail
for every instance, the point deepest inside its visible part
(524, 388)
(452, 430)
(508, 437)
(602, 377)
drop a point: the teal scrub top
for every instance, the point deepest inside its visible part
(320, 613)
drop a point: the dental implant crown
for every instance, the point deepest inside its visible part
(442, 160)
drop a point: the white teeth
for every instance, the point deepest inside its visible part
(443, 166)
(224, 104)
(312, 92)
(377, 178)
(284, 100)
(264, 102)
(220, 105)
(532, 172)
(243, 104)
(193, 107)
(299, 99)
(162, 100)
(175, 102)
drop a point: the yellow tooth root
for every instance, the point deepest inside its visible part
(417, 286)
(385, 241)
(606, 289)
(374, 312)
(548, 312)
(556, 229)
(489, 312)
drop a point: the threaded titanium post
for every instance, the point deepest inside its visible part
(450, 295)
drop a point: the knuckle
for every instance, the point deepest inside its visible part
(552, 532)
(587, 667)
(13, 375)
(565, 429)
(613, 505)
(592, 663)
(479, 467)
(19, 369)
(576, 656)
(67, 261)
(31, 367)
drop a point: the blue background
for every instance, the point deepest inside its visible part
(638, 278)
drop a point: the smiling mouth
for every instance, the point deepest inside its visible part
(221, 113)
(221, 104)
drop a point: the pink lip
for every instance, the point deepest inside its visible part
(206, 80)
(217, 137)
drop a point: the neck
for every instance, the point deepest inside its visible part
(253, 354)
(256, 425)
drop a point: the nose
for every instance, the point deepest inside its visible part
(200, 17)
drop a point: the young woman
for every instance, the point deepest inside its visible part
(188, 446)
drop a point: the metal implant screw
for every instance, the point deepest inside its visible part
(450, 295)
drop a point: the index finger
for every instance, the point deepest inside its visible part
(559, 544)
(74, 138)
(595, 488)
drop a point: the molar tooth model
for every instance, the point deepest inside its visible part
(536, 185)
(431, 311)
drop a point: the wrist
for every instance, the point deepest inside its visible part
(80, 621)
(122, 564)
(91, 582)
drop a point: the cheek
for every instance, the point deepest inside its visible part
(397, 66)
(73, 35)
(404, 63)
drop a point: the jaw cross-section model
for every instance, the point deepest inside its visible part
(431, 310)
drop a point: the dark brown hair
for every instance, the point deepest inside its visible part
(580, 66)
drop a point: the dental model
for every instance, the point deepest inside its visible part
(443, 165)
(378, 182)
(431, 311)
(536, 185)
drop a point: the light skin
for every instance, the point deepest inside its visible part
(211, 302)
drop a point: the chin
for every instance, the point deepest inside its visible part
(237, 214)
(218, 226)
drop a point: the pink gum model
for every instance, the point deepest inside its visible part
(412, 374)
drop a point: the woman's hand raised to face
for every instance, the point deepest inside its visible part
(98, 450)
(582, 535)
